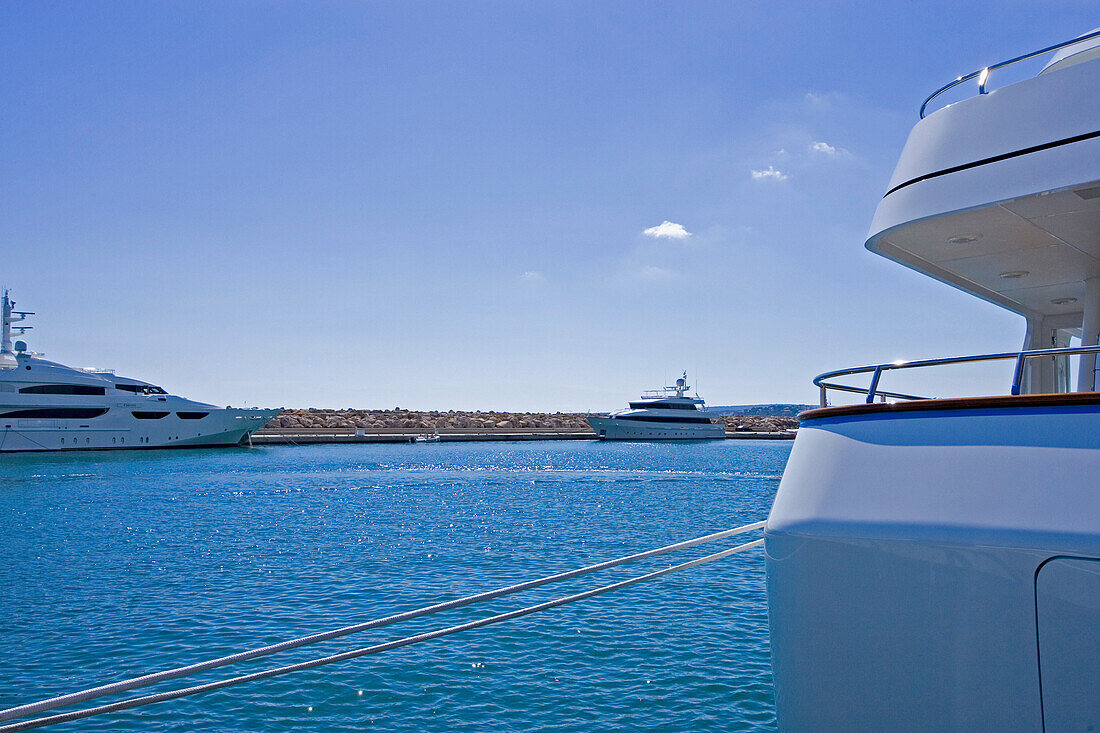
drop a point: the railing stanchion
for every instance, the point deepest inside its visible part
(1018, 374)
(874, 384)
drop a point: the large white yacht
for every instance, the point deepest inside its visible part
(45, 406)
(660, 414)
(934, 564)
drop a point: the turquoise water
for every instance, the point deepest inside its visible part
(115, 564)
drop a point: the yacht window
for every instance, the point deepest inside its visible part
(81, 389)
(140, 388)
(662, 418)
(192, 415)
(66, 413)
(660, 406)
(149, 415)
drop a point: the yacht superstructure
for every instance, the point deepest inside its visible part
(934, 564)
(664, 414)
(46, 406)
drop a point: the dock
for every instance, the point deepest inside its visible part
(313, 436)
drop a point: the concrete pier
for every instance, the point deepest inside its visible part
(310, 436)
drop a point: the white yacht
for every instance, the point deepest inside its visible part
(45, 406)
(661, 414)
(934, 564)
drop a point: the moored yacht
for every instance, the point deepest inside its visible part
(46, 406)
(934, 564)
(662, 414)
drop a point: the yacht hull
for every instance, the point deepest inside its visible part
(938, 570)
(219, 427)
(609, 428)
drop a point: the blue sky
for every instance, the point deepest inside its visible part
(444, 205)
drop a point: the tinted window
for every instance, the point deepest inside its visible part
(68, 413)
(660, 406)
(149, 415)
(63, 389)
(662, 418)
(140, 388)
(192, 415)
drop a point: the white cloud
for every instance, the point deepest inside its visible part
(532, 276)
(667, 230)
(769, 174)
(820, 147)
(820, 99)
(650, 272)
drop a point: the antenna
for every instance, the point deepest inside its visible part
(5, 323)
(8, 316)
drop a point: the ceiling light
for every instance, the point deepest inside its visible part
(1063, 301)
(1014, 274)
(964, 238)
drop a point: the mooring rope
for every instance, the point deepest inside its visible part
(149, 679)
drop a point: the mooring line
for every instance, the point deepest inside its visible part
(321, 661)
(155, 677)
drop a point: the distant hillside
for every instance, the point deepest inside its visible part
(774, 410)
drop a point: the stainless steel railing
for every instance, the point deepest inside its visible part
(983, 73)
(876, 371)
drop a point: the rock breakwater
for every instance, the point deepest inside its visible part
(426, 420)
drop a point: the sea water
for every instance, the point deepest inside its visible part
(115, 564)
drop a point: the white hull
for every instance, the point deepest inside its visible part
(926, 571)
(609, 428)
(220, 427)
